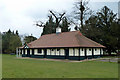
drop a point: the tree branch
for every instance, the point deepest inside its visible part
(53, 14)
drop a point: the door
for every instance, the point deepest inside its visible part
(66, 53)
(45, 53)
(28, 52)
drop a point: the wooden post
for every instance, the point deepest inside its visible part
(50, 51)
(79, 54)
(17, 52)
(92, 52)
(100, 52)
(85, 53)
(73, 51)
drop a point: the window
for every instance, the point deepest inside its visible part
(39, 50)
(95, 49)
(82, 49)
(58, 49)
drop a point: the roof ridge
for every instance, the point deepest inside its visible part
(60, 33)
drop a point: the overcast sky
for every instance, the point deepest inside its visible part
(21, 14)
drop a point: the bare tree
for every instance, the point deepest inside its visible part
(57, 18)
(81, 10)
(39, 23)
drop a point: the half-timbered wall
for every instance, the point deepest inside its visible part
(82, 51)
(72, 51)
(62, 52)
(52, 52)
(75, 51)
(36, 52)
(59, 52)
(48, 51)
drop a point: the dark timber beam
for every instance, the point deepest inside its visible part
(93, 52)
(73, 51)
(79, 54)
(55, 51)
(85, 53)
(100, 52)
(50, 51)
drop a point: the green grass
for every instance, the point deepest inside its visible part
(29, 68)
(0, 66)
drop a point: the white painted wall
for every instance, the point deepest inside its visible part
(30, 51)
(101, 51)
(26, 51)
(57, 52)
(82, 51)
(76, 51)
(89, 51)
(97, 51)
(52, 52)
(70, 51)
(48, 51)
(62, 52)
(36, 52)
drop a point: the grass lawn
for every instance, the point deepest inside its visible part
(29, 68)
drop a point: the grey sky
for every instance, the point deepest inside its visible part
(21, 14)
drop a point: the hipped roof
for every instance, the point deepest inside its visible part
(65, 39)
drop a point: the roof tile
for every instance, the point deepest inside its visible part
(65, 39)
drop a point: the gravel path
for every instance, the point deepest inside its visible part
(109, 59)
(66, 60)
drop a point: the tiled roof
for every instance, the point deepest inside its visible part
(65, 39)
